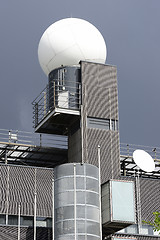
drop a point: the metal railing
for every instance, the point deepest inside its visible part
(56, 95)
(130, 168)
(35, 139)
(128, 149)
(50, 140)
(28, 139)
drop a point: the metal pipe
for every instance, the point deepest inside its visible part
(138, 203)
(100, 208)
(82, 133)
(35, 205)
(45, 104)
(19, 221)
(75, 209)
(110, 116)
(52, 209)
(7, 195)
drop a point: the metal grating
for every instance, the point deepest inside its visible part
(100, 100)
(26, 233)
(21, 183)
(150, 195)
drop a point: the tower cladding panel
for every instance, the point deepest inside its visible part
(100, 118)
(77, 206)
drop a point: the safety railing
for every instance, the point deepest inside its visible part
(35, 139)
(130, 168)
(61, 142)
(128, 149)
(56, 94)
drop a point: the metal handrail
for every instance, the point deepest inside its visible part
(128, 149)
(35, 139)
(56, 95)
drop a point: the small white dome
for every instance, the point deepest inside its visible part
(69, 41)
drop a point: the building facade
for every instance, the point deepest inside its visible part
(80, 102)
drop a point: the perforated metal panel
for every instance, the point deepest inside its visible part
(77, 207)
(18, 186)
(44, 192)
(100, 86)
(21, 190)
(150, 198)
(100, 100)
(26, 233)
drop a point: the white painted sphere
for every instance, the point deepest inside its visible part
(69, 41)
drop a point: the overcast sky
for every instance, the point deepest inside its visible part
(131, 29)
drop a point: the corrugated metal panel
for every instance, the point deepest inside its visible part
(100, 100)
(4, 172)
(129, 236)
(21, 190)
(18, 186)
(44, 192)
(26, 233)
(150, 198)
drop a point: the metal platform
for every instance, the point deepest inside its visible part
(25, 148)
(30, 155)
(57, 121)
(57, 107)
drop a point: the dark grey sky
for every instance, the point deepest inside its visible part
(131, 29)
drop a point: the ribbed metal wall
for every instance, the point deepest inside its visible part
(147, 238)
(150, 198)
(26, 233)
(18, 186)
(129, 236)
(100, 100)
(100, 87)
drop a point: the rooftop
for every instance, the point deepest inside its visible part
(32, 149)
(46, 150)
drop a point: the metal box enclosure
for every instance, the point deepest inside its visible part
(118, 205)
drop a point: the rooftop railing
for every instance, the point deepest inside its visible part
(50, 140)
(56, 95)
(18, 139)
(128, 149)
(34, 139)
(129, 167)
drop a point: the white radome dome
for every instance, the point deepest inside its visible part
(69, 41)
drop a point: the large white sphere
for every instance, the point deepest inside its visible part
(69, 41)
